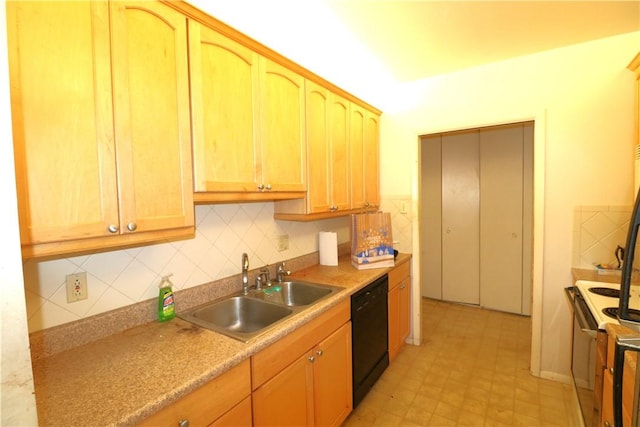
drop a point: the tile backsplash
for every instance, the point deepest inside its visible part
(597, 231)
(223, 232)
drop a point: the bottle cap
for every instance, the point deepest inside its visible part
(165, 282)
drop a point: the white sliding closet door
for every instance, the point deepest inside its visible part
(501, 214)
(460, 218)
(431, 217)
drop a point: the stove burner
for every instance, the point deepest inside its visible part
(607, 292)
(613, 312)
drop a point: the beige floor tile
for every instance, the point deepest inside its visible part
(471, 370)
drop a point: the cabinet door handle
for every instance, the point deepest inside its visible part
(268, 187)
(312, 359)
(319, 352)
(112, 228)
(261, 187)
(402, 286)
(183, 423)
(132, 226)
(333, 208)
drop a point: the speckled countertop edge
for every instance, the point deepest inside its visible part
(123, 378)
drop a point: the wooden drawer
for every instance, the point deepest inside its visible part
(209, 402)
(399, 273)
(276, 357)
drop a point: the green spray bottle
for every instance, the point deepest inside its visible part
(166, 304)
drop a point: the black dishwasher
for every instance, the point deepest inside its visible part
(370, 336)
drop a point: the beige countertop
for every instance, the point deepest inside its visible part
(126, 377)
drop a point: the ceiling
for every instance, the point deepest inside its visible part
(419, 39)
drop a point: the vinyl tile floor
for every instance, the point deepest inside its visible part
(472, 369)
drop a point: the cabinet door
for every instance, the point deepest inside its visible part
(606, 419)
(152, 118)
(287, 398)
(332, 383)
(405, 309)
(64, 151)
(339, 143)
(283, 144)
(372, 160)
(318, 164)
(224, 96)
(394, 321)
(356, 149)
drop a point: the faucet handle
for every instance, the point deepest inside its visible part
(281, 272)
(264, 271)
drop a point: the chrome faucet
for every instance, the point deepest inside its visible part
(245, 274)
(263, 278)
(281, 272)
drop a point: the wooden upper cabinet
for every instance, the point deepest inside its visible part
(339, 163)
(224, 79)
(283, 143)
(152, 116)
(343, 159)
(248, 121)
(327, 152)
(357, 149)
(372, 160)
(98, 164)
(318, 149)
(62, 119)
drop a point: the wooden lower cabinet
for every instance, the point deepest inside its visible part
(399, 300)
(315, 386)
(224, 401)
(628, 386)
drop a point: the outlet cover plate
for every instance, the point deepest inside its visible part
(76, 287)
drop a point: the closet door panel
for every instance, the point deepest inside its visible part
(460, 218)
(501, 210)
(431, 217)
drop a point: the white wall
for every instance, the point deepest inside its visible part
(18, 407)
(584, 95)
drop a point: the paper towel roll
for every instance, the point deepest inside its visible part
(328, 247)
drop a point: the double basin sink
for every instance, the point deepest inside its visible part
(244, 317)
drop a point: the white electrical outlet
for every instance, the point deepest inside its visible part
(283, 242)
(77, 287)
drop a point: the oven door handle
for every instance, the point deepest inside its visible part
(623, 343)
(584, 325)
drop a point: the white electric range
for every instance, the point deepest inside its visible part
(592, 292)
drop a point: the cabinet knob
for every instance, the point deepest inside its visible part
(312, 359)
(132, 226)
(319, 352)
(611, 370)
(607, 424)
(112, 228)
(402, 286)
(333, 208)
(183, 423)
(261, 187)
(268, 187)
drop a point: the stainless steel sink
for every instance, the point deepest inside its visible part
(239, 317)
(244, 317)
(297, 293)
